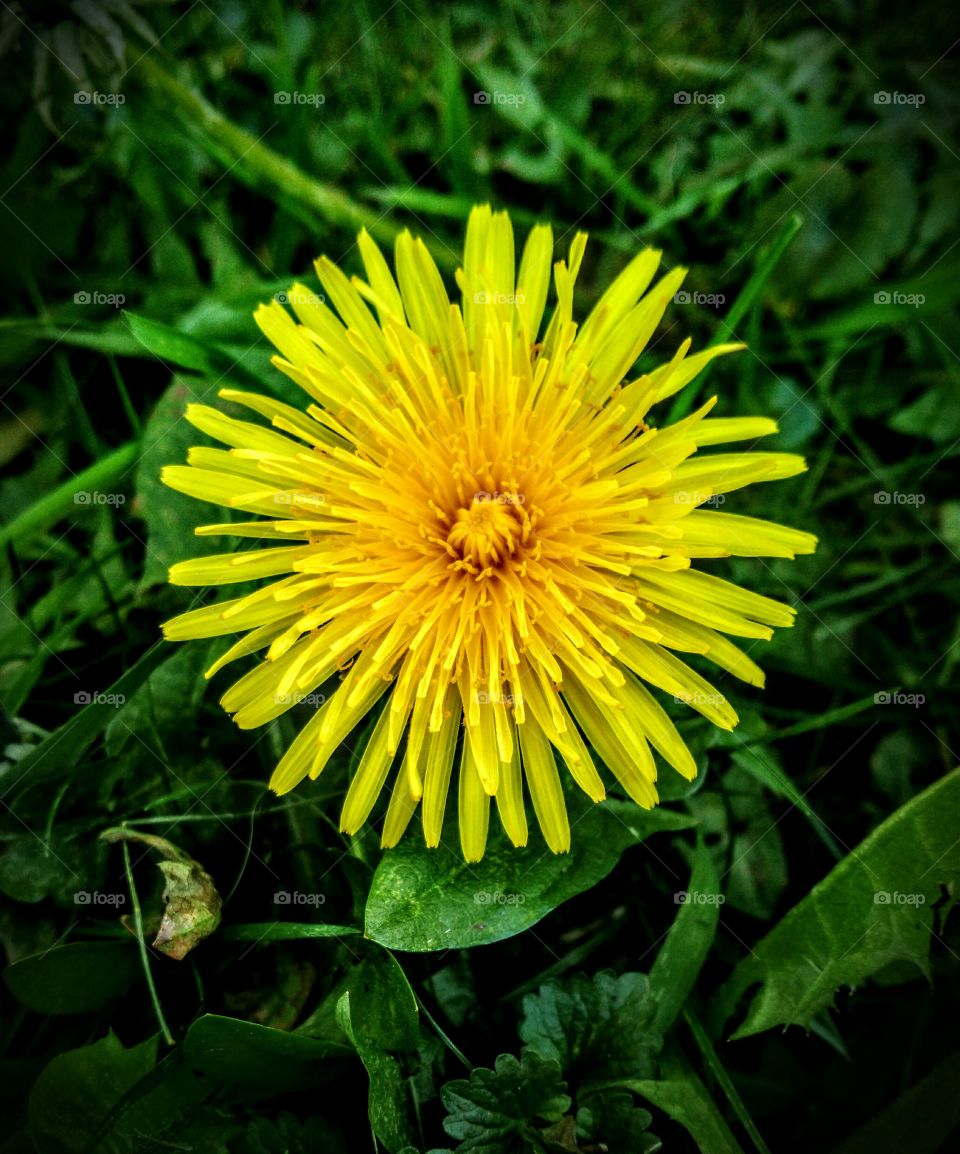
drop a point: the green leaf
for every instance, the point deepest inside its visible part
(176, 347)
(881, 218)
(258, 1057)
(423, 899)
(61, 502)
(680, 959)
(164, 705)
(78, 978)
(389, 1105)
(62, 750)
(720, 1077)
(287, 1135)
(283, 932)
(167, 1102)
(171, 517)
(76, 1091)
(494, 1111)
(31, 870)
(383, 1007)
(764, 765)
(680, 1094)
(934, 414)
(612, 1123)
(380, 1012)
(599, 1030)
(745, 832)
(248, 159)
(872, 909)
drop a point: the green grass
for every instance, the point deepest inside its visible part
(797, 200)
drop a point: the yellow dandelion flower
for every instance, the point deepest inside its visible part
(475, 520)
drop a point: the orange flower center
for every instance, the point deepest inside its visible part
(489, 531)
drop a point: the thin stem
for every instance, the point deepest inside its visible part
(257, 164)
(141, 942)
(56, 505)
(745, 299)
(723, 1079)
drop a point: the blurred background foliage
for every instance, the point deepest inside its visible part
(170, 165)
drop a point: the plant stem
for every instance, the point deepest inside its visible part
(748, 294)
(256, 164)
(55, 506)
(141, 942)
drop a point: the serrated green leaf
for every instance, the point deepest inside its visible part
(872, 909)
(493, 1111)
(599, 1030)
(423, 899)
(613, 1123)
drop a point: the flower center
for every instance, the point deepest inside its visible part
(489, 531)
